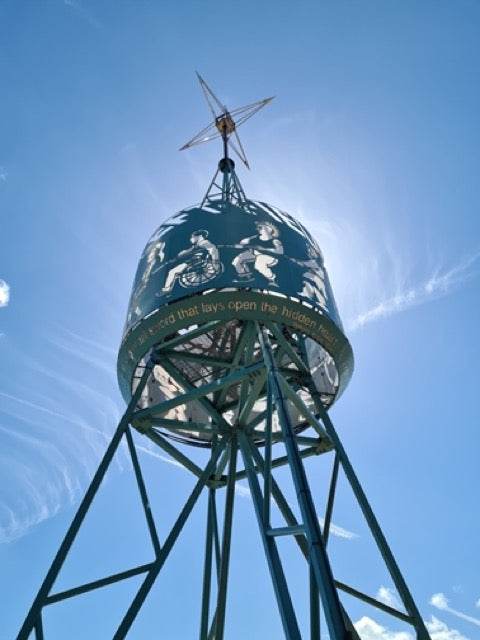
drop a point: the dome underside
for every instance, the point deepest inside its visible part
(208, 381)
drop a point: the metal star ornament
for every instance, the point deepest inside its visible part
(225, 123)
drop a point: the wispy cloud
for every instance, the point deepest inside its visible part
(3, 174)
(48, 455)
(91, 352)
(439, 601)
(159, 456)
(83, 12)
(242, 490)
(53, 432)
(438, 283)
(4, 293)
(368, 629)
(339, 532)
(477, 604)
(40, 495)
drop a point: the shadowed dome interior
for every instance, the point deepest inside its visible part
(214, 355)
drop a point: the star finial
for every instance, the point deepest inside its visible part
(225, 123)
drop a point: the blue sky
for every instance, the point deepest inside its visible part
(372, 142)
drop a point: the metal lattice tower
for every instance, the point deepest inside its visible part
(233, 344)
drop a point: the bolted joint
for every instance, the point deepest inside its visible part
(216, 483)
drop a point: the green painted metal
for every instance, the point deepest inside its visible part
(267, 476)
(229, 190)
(143, 493)
(226, 543)
(331, 498)
(220, 306)
(259, 286)
(177, 455)
(33, 619)
(261, 248)
(207, 565)
(168, 544)
(280, 585)
(286, 531)
(271, 364)
(238, 365)
(196, 393)
(197, 271)
(201, 394)
(373, 602)
(97, 584)
(314, 606)
(317, 554)
(39, 629)
(278, 496)
(414, 617)
(390, 562)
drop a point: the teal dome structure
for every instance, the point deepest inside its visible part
(229, 261)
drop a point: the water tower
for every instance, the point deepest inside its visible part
(233, 344)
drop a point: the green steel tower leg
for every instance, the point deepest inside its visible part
(400, 584)
(266, 364)
(211, 537)
(287, 611)
(157, 565)
(219, 622)
(318, 558)
(33, 619)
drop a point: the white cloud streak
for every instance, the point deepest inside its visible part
(82, 12)
(88, 351)
(242, 490)
(3, 174)
(339, 532)
(47, 456)
(158, 456)
(54, 428)
(440, 601)
(439, 283)
(4, 293)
